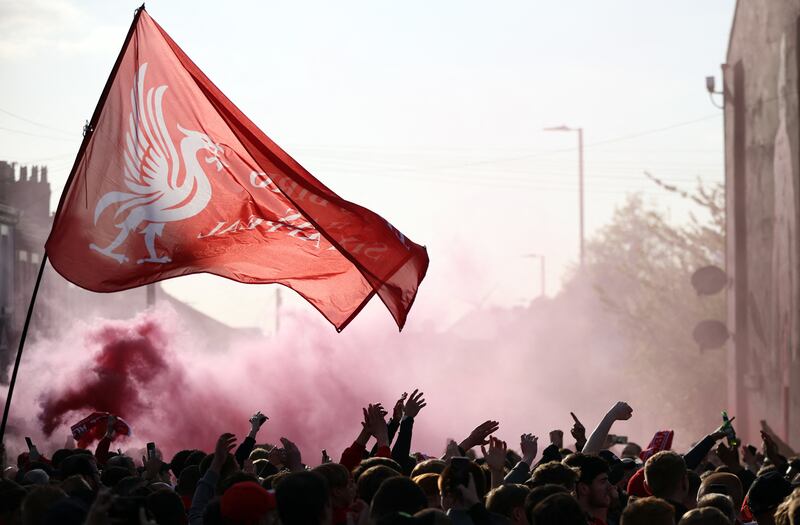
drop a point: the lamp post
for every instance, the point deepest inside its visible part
(580, 178)
(541, 272)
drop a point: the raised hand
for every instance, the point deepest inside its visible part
(375, 424)
(729, 456)
(529, 445)
(621, 411)
(325, 457)
(256, 420)
(721, 430)
(770, 448)
(451, 450)
(480, 435)
(294, 461)
(496, 455)
(557, 438)
(277, 456)
(222, 450)
(578, 432)
(414, 404)
(397, 411)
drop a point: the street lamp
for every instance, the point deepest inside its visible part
(541, 272)
(580, 177)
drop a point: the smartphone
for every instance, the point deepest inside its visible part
(460, 467)
(29, 442)
(151, 450)
(618, 440)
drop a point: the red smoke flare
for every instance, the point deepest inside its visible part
(131, 359)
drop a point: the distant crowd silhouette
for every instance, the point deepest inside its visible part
(478, 481)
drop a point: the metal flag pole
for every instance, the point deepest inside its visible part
(21, 347)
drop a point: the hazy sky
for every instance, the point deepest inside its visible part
(430, 113)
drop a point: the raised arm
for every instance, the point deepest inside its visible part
(479, 436)
(248, 443)
(529, 446)
(621, 411)
(401, 452)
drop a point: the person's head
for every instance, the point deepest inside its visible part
(229, 468)
(537, 495)
(374, 462)
(704, 516)
(247, 503)
(558, 509)
(121, 460)
(765, 494)
(788, 512)
(648, 511)
(592, 489)
(59, 455)
(694, 481)
(11, 496)
(38, 502)
(166, 507)
(509, 501)
(723, 502)
(429, 483)
(448, 483)
(636, 485)
(111, 476)
(178, 461)
(433, 517)
(371, 479)
(665, 474)
(187, 481)
(303, 499)
(237, 477)
(36, 476)
(722, 483)
(83, 465)
(556, 473)
(397, 494)
(631, 450)
(435, 466)
(340, 483)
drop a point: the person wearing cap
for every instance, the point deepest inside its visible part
(247, 503)
(593, 490)
(765, 494)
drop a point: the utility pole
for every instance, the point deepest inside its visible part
(151, 294)
(580, 183)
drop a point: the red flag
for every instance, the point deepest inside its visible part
(173, 179)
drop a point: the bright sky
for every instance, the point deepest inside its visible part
(429, 113)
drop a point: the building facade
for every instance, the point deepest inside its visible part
(761, 92)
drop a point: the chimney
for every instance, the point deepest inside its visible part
(23, 173)
(35, 174)
(44, 175)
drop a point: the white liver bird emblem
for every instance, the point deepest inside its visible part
(160, 191)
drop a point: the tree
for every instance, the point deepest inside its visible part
(640, 265)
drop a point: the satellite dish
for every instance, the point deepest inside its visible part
(710, 334)
(709, 280)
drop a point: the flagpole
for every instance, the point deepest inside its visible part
(21, 347)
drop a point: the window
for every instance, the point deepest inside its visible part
(4, 229)
(35, 258)
(23, 256)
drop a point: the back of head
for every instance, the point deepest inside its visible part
(722, 502)
(245, 503)
(704, 516)
(303, 499)
(538, 494)
(555, 473)
(374, 462)
(506, 498)
(558, 509)
(38, 502)
(448, 481)
(435, 466)
(648, 511)
(178, 460)
(664, 473)
(335, 474)
(371, 479)
(767, 492)
(112, 475)
(397, 494)
(429, 483)
(187, 481)
(722, 483)
(166, 507)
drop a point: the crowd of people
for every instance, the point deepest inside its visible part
(378, 480)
